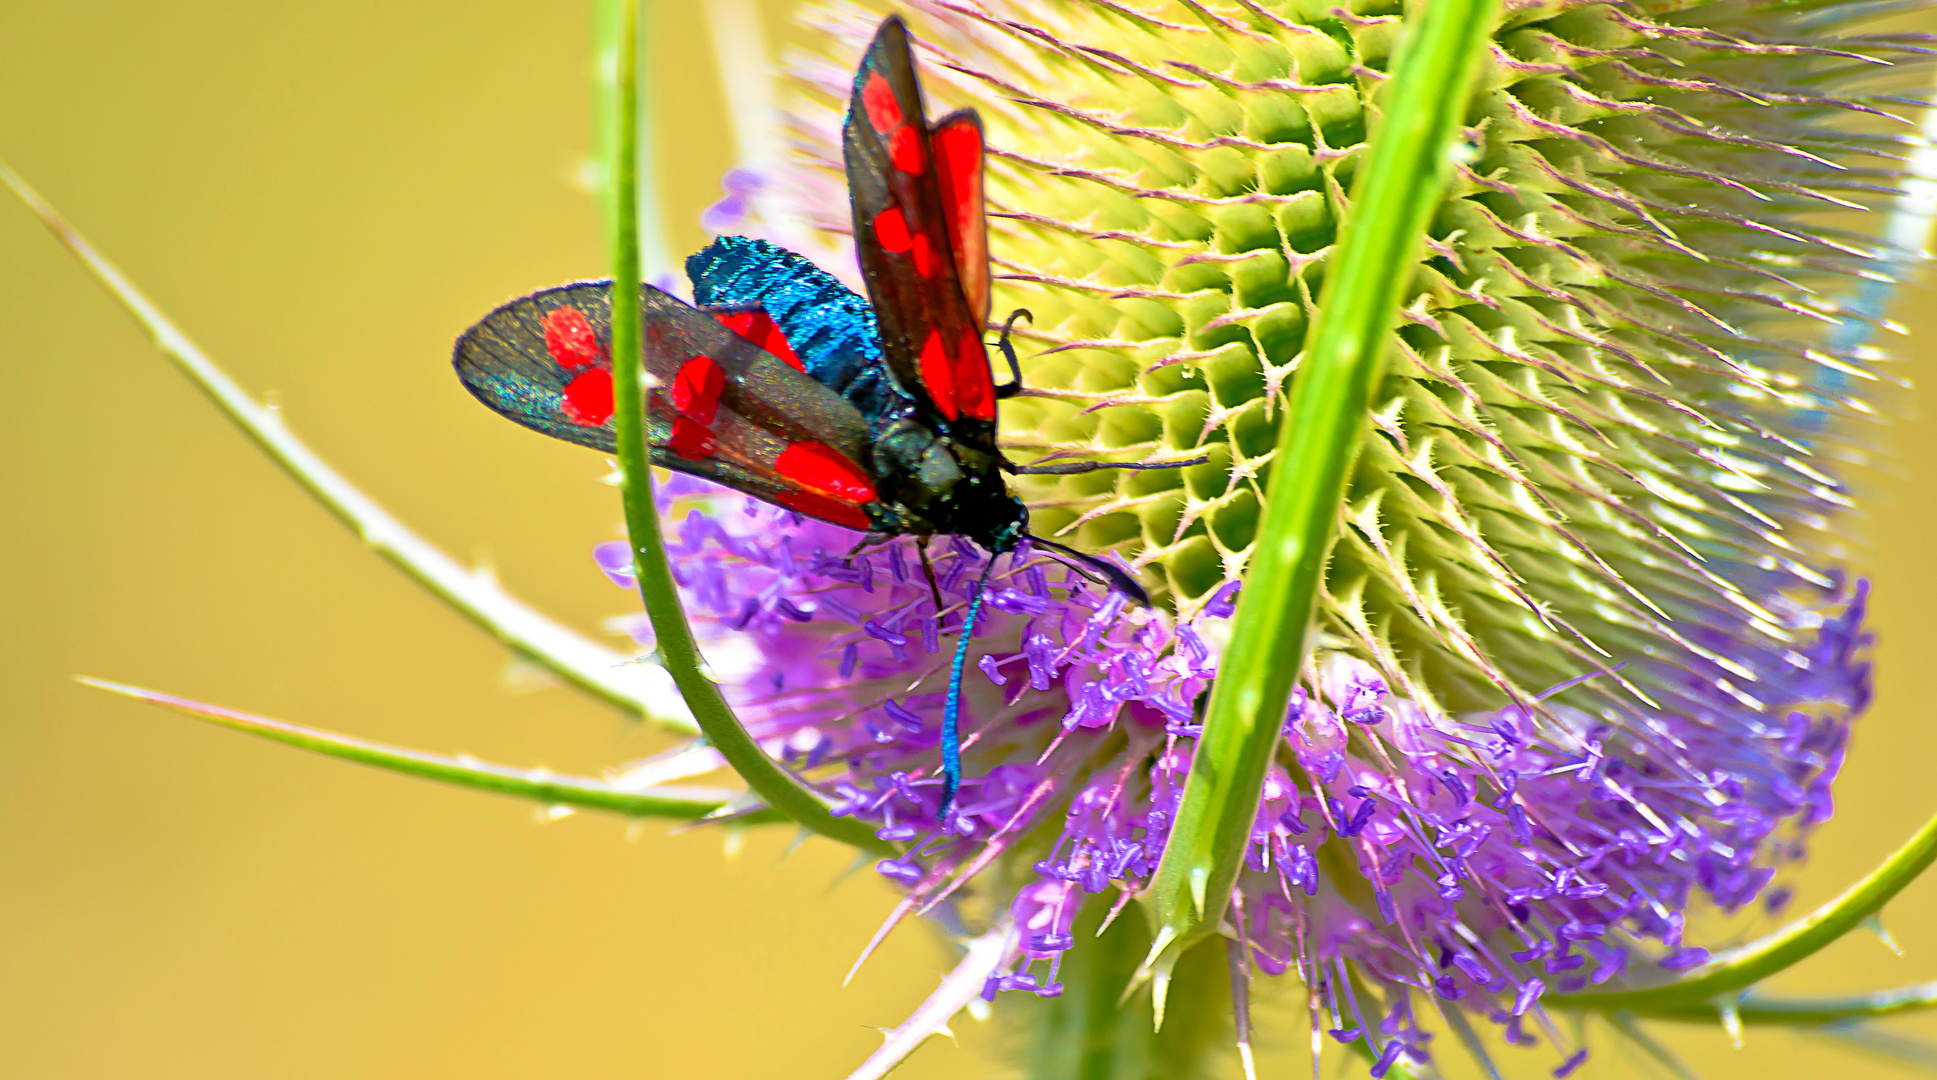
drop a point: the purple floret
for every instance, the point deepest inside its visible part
(1492, 857)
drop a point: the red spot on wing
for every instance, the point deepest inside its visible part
(570, 340)
(904, 149)
(958, 160)
(588, 398)
(924, 256)
(891, 231)
(759, 328)
(691, 440)
(878, 99)
(974, 386)
(958, 164)
(938, 374)
(696, 390)
(959, 383)
(824, 470)
(814, 506)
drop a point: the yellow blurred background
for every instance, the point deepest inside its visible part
(323, 195)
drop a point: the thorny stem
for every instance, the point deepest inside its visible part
(591, 667)
(538, 785)
(1398, 189)
(985, 956)
(779, 788)
(608, 42)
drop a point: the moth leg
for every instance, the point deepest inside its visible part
(1066, 468)
(848, 559)
(928, 571)
(1014, 386)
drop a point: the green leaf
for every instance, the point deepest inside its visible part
(538, 785)
(776, 786)
(477, 596)
(1399, 186)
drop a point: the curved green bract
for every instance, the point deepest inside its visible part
(538, 785)
(581, 662)
(1737, 969)
(774, 785)
(1400, 185)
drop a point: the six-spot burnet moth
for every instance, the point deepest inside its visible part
(787, 386)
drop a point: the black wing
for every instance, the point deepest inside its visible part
(719, 405)
(916, 192)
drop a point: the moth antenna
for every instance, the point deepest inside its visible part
(1068, 467)
(1014, 385)
(952, 709)
(1096, 570)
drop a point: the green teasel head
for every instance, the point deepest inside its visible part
(1587, 660)
(1629, 365)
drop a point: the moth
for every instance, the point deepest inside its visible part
(878, 414)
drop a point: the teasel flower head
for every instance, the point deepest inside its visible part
(1587, 663)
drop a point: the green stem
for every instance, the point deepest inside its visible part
(1400, 184)
(538, 785)
(768, 780)
(1737, 969)
(608, 18)
(1097, 1029)
(585, 664)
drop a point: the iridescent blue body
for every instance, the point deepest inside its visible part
(830, 327)
(932, 478)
